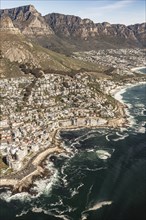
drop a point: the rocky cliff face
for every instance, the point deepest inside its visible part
(28, 20)
(67, 25)
(139, 31)
(71, 33)
(85, 29)
(6, 25)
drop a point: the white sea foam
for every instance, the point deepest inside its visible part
(44, 186)
(58, 215)
(65, 182)
(96, 169)
(99, 205)
(88, 136)
(89, 192)
(57, 203)
(123, 129)
(64, 217)
(142, 130)
(37, 210)
(51, 212)
(84, 216)
(90, 150)
(117, 133)
(139, 105)
(74, 145)
(121, 137)
(74, 192)
(8, 196)
(22, 213)
(82, 184)
(118, 95)
(131, 118)
(143, 111)
(96, 206)
(103, 154)
(107, 137)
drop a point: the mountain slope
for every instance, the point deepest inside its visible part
(67, 33)
(16, 50)
(103, 35)
(28, 20)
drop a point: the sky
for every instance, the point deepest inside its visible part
(112, 11)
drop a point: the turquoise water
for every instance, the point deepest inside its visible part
(103, 178)
(143, 70)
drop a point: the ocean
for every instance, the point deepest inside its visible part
(102, 178)
(143, 70)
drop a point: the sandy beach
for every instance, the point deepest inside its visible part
(117, 93)
(136, 69)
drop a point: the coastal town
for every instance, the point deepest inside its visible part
(34, 108)
(123, 60)
(55, 101)
(73, 110)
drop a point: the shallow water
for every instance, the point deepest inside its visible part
(103, 178)
(143, 70)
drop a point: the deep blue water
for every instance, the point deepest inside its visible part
(84, 180)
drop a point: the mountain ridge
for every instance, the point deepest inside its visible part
(69, 33)
(28, 20)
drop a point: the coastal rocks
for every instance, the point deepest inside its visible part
(26, 182)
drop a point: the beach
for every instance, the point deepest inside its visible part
(137, 69)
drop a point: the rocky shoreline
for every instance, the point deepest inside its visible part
(19, 183)
(35, 168)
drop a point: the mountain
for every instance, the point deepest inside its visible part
(28, 20)
(100, 35)
(6, 24)
(139, 31)
(68, 33)
(19, 55)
